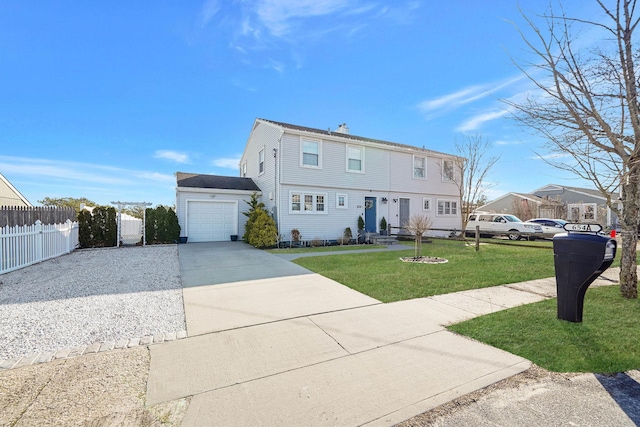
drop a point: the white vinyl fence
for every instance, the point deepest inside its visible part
(21, 246)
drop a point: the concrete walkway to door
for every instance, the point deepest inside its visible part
(271, 343)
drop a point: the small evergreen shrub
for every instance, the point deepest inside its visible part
(263, 231)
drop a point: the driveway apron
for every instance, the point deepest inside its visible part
(271, 343)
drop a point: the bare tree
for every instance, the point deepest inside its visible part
(418, 225)
(587, 110)
(469, 170)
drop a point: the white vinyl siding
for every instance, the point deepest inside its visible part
(310, 153)
(447, 207)
(307, 203)
(419, 167)
(355, 159)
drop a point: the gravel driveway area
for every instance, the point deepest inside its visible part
(89, 296)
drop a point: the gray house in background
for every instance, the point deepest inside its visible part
(573, 204)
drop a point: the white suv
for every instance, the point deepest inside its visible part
(501, 224)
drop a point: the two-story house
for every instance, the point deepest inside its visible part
(320, 181)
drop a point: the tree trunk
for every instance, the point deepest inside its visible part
(628, 268)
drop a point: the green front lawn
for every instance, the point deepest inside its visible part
(344, 248)
(606, 340)
(383, 276)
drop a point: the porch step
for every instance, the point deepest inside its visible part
(377, 239)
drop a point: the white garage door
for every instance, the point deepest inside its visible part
(211, 221)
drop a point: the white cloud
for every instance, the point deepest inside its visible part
(551, 156)
(276, 15)
(209, 9)
(466, 95)
(228, 163)
(172, 155)
(74, 172)
(503, 142)
(475, 122)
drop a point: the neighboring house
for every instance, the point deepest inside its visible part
(209, 207)
(556, 201)
(10, 196)
(525, 206)
(320, 181)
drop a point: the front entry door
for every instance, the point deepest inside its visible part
(370, 214)
(403, 214)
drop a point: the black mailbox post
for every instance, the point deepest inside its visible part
(580, 256)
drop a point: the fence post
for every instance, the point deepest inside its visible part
(477, 238)
(39, 240)
(69, 233)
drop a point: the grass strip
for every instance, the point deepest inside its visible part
(606, 341)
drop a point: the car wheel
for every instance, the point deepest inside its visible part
(514, 236)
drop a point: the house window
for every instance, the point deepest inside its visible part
(307, 203)
(244, 169)
(355, 159)
(583, 212)
(295, 202)
(447, 207)
(447, 170)
(310, 151)
(261, 161)
(426, 204)
(342, 201)
(419, 167)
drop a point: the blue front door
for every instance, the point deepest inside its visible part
(370, 214)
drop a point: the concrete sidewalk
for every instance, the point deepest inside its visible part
(304, 350)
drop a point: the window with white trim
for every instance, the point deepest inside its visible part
(426, 204)
(355, 159)
(307, 203)
(310, 152)
(419, 167)
(261, 161)
(447, 207)
(295, 202)
(447, 170)
(342, 201)
(244, 169)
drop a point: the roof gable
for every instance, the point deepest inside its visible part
(585, 191)
(193, 180)
(4, 182)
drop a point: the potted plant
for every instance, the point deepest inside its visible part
(360, 229)
(295, 237)
(346, 236)
(383, 227)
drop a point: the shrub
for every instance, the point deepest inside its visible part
(161, 225)
(255, 206)
(295, 235)
(383, 224)
(98, 228)
(317, 242)
(360, 223)
(263, 231)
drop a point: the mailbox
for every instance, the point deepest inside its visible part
(580, 256)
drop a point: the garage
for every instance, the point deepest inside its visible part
(211, 221)
(211, 208)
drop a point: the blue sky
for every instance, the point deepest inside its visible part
(107, 100)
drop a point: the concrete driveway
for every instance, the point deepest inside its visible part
(271, 343)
